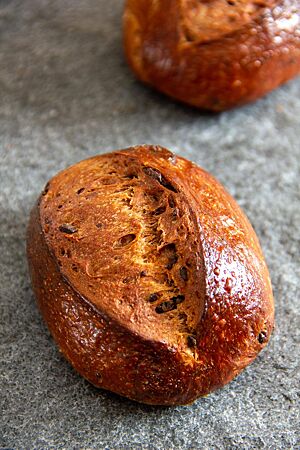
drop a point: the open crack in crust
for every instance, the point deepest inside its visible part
(202, 21)
(125, 236)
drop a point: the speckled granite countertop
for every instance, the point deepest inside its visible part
(66, 94)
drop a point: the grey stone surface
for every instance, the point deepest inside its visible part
(66, 94)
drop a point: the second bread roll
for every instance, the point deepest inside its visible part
(213, 54)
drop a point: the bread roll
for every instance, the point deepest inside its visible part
(149, 276)
(213, 54)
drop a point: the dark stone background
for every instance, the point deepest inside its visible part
(66, 94)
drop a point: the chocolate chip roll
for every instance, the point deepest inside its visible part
(149, 276)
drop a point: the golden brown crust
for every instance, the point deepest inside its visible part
(149, 276)
(213, 54)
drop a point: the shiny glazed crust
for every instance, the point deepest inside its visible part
(149, 276)
(213, 54)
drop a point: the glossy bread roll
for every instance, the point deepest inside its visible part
(149, 276)
(213, 54)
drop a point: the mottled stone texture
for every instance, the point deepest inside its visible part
(67, 94)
